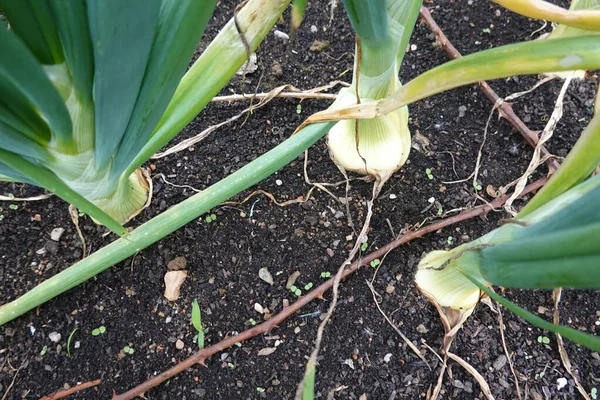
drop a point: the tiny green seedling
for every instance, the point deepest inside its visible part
(128, 350)
(44, 350)
(325, 275)
(260, 390)
(594, 393)
(364, 246)
(477, 186)
(99, 331)
(375, 263)
(450, 240)
(440, 212)
(69, 340)
(299, 109)
(296, 291)
(13, 206)
(543, 339)
(197, 322)
(252, 321)
(485, 30)
(210, 218)
(428, 173)
(308, 286)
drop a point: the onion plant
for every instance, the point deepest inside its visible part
(90, 89)
(378, 146)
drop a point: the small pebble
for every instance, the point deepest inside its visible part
(278, 182)
(421, 329)
(281, 35)
(330, 252)
(54, 337)
(56, 234)
(387, 357)
(413, 47)
(393, 196)
(179, 344)
(390, 289)
(313, 29)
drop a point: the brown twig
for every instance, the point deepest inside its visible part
(505, 109)
(200, 356)
(67, 392)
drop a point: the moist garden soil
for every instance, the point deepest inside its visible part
(361, 352)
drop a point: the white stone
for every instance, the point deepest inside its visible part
(54, 337)
(56, 234)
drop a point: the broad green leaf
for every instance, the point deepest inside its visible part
(23, 82)
(539, 9)
(32, 21)
(581, 211)
(180, 27)
(18, 143)
(579, 164)
(46, 179)
(566, 31)
(72, 23)
(369, 20)
(165, 223)
(8, 174)
(196, 316)
(215, 67)
(590, 341)
(15, 121)
(308, 386)
(122, 34)
(298, 9)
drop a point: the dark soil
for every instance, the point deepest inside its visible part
(361, 353)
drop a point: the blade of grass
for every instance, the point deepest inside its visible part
(122, 34)
(592, 342)
(46, 179)
(165, 223)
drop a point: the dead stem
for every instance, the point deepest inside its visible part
(200, 356)
(67, 392)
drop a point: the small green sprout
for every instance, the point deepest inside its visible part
(364, 246)
(230, 365)
(594, 393)
(450, 240)
(1, 216)
(477, 186)
(10, 196)
(325, 275)
(440, 212)
(128, 350)
(485, 30)
(99, 331)
(71, 337)
(375, 263)
(13, 206)
(252, 321)
(197, 322)
(308, 286)
(295, 290)
(428, 173)
(44, 350)
(299, 109)
(260, 390)
(540, 375)
(543, 339)
(210, 218)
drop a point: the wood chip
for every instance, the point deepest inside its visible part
(173, 282)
